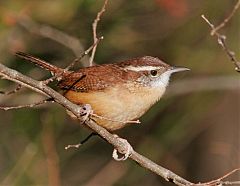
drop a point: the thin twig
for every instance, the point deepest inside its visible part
(58, 77)
(94, 27)
(221, 25)
(81, 142)
(220, 181)
(19, 87)
(84, 53)
(31, 105)
(222, 38)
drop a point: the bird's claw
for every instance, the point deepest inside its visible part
(126, 150)
(85, 112)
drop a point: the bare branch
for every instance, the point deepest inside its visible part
(86, 52)
(220, 181)
(221, 25)
(38, 86)
(19, 87)
(25, 106)
(222, 38)
(94, 27)
(81, 142)
(71, 65)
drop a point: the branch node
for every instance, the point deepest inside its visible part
(221, 38)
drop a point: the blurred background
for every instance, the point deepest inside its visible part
(193, 131)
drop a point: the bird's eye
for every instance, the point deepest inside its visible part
(153, 73)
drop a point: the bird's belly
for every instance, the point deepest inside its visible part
(115, 107)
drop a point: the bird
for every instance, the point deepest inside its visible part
(118, 92)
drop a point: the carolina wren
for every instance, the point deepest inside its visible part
(121, 91)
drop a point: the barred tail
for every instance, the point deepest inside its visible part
(41, 63)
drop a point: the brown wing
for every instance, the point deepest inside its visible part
(93, 78)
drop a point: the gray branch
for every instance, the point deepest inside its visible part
(43, 89)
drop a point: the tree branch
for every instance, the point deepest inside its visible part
(40, 87)
(222, 38)
(226, 20)
(18, 88)
(94, 27)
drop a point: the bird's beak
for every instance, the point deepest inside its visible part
(177, 69)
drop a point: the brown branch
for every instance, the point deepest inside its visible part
(86, 52)
(222, 38)
(94, 27)
(31, 105)
(220, 181)
(58, 77)
(19, 87)
(226, 20)
(39, 87)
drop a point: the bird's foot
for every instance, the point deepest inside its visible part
(85, 112)
(125, 149)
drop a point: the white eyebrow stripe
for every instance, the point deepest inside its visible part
(142, 68)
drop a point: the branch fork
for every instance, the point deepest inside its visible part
(222, 38)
